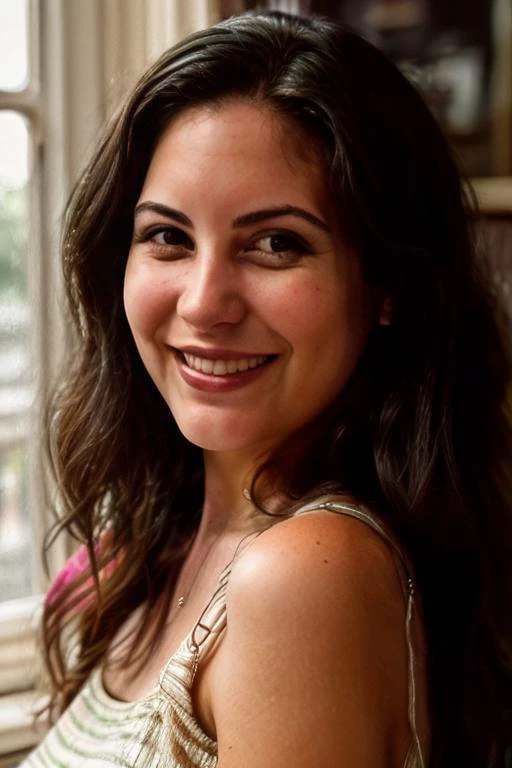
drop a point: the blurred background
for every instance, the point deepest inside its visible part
(457, 52)
(64, 66)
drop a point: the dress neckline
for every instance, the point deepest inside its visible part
(114, 702)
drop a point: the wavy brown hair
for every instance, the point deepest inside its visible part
(421, 432)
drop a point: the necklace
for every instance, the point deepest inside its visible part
(180, 602)
(183, 598)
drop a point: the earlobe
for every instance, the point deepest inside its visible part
(386, 312)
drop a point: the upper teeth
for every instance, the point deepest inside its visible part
(222, 367)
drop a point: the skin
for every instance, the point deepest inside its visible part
(315, 639)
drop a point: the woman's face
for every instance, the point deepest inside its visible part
(247, 308)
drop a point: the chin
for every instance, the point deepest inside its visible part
(221, 437)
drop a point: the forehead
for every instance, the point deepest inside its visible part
(295, 140)
(241, 148)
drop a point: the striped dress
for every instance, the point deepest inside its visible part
(160, 729)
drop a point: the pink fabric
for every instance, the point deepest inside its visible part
(76, 566)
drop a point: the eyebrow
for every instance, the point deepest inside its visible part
(244, 220)
(282, 210)
(163, 210)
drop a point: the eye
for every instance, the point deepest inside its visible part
(166, 239)
(278, 249)
(172, 236)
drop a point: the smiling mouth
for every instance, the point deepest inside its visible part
(223, 367)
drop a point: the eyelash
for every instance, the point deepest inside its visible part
(150, 235)
(296, 248)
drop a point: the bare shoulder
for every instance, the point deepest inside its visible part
(314, 645)
(320, 554)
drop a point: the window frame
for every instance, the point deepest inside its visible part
(26, 102)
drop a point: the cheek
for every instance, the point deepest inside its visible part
(288, 298)
(327, 322)
(145, 299)
(305, 310)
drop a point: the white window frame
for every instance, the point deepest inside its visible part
(15, 614)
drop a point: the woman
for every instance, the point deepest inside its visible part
(293, 414)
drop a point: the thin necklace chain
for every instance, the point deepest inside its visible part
(183, 598)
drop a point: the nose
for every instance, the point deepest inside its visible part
(211, 293)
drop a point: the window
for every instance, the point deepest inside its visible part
(19, 361)
(18, 115)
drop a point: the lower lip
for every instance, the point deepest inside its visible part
(206, 382)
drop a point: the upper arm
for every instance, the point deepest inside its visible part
(313, 667)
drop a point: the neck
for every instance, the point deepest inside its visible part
(226, 506)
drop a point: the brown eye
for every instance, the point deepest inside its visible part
(280, 242)
(171, 236)
(278, 249)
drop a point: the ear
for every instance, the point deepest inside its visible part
(386, 311)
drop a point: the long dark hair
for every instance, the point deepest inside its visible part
(421, 433)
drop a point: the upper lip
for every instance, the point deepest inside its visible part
(220, 354)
